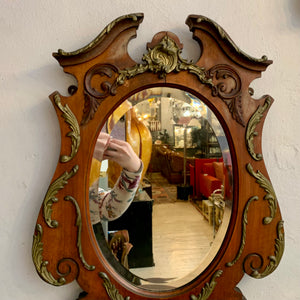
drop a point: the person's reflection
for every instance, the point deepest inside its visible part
(110, 205)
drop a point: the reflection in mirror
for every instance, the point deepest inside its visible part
(180, 213)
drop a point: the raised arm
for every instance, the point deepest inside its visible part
(109, 205)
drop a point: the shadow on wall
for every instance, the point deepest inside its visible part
(294, 9)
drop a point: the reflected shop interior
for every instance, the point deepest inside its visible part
(178, 220)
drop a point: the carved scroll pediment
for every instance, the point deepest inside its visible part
(162, 59)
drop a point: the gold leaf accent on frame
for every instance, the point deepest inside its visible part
(111, 290)
(40, 264)
(50, 198)
(243, 238)
(270, 196)
(101, 35)
(208, 288)
(71, 120)
(274, 259)
(79, 225)
(251, 133)
(164, 58)
(227, 38)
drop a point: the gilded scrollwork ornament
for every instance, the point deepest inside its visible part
(111, 290)
(39, 262)
(244, 227)
(162, 59)
(270, 196)
(251, 133)
(275, 259)
(100, 37)
(74, 134)
(223, 34)
(50, 198)
(79, 226)
(208, 288)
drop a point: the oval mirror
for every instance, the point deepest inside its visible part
(179, 237)
(179, 216)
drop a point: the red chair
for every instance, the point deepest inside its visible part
(206, 181)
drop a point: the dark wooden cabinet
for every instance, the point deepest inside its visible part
(138, 221)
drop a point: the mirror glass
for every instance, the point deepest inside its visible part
(180, 213)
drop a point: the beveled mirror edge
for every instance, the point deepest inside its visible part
(71, 172)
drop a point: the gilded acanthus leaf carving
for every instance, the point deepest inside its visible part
(39, 262)
(270, 196)
(50, 198)
(111, 290)
(79, 225)
(208, 288)
(251, 133)
(243, 238)
(274, 260)
(163, 59)
(74, 134)
(223, 34)
(100, 37)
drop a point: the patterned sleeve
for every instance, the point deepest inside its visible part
(110, 205)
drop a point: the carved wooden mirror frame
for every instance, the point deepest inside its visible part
(64, 245)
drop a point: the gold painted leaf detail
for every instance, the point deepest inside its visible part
(100, 37)
(243, 238)
(251, 133)
(274, 259)
(111, 290)
(50, 198)
(208, 288)
(270, 196)
(74, 134)
(39, 262)
(227, 38)
(79, 225)
(164, 58)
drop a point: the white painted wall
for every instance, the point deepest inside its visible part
(31, 30)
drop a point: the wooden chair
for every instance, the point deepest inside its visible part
(120, 246)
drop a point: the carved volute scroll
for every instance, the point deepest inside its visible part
(64, 245)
